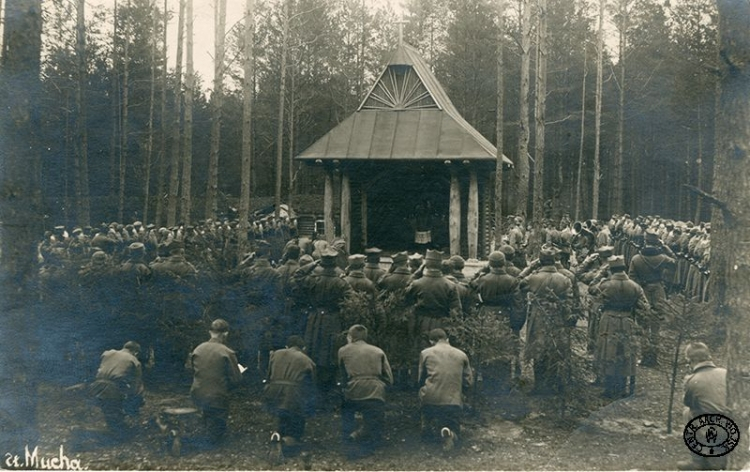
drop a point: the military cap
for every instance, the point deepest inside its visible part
(99, 256)
(328, 257)
(457, 262)
(356, 261)
(616, 262)
(305, 259)
(338, 243)
(219, 326)
(416, 257)
(137, 223)
(651, 237)
(136, 247)
(433, 255)
(77, 230)
(497, 259)
(605, 249)
(373, 251)
(60, 228)
(400, 257)
(547, 256)
(150, 226)
(508, 250)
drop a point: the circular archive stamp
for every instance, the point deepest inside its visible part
(711, 435)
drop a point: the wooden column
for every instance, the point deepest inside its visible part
(328, 206)
(472, 216)
(346, 209)
(454, 216)
(364, 217)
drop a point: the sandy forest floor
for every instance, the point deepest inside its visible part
(502, 431)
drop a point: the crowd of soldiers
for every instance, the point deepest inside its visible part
(292, 292)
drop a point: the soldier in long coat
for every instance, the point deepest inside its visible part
(499, 293)
(548, 295)
(648, 269)
(616, 348)
(325, 290)
(372, 264)
(435, 297)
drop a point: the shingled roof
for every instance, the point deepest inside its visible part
(406, 115)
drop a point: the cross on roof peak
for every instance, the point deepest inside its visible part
(401, 24)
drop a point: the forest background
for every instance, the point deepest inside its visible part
(126, 127)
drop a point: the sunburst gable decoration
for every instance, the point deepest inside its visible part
(399, 88)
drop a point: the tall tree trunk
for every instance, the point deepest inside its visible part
(174, 166)
(730, 258)
(499, 123)
(159, 218)
(699, 164)
(280, 124)
(617, 174)
(217, 100)
(291, 131)
(540, 106)
(114, 140)
(20, 220)
(581, 154)
(247, 122)
(83, 204)
(150, 136)
(522, 164)
(124, 138)
(187, 158)
(598, 112)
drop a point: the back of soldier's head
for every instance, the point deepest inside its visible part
(133, 347)
(437, 334)
(697, 352)
(295, 341)
(358, 333)
(292, 252)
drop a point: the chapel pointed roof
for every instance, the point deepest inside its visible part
(406, 115)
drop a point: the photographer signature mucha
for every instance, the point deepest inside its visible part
(35, 459)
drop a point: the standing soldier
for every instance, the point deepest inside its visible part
(444, 373)
(398, 276)
(548, 293)
(289, 391)
(365, 371)
(215, 372)
(435, 297)
(499, 293)
(357, 277)
(372, 264)
(325, 291)
(616, 347)
(648, 269)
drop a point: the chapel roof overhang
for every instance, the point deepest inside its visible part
(405, 116)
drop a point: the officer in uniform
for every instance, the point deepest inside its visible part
(444, 373)
(648, 268)
(616, 347)
(288, 392)
(398, 275)
(365, 373)
(499, 294)
(119, 388)
(215, 372)
(325, 291)
(435, 298)
(372, 264)
(548, 295)
(357, 278)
